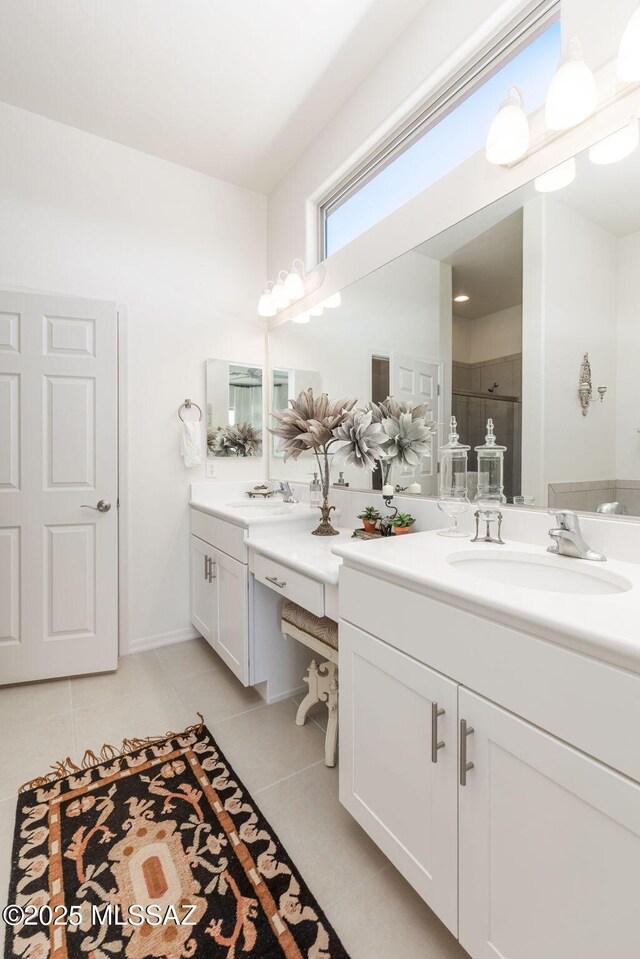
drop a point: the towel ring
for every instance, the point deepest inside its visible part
(187, 405)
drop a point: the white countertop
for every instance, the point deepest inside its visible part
(604, 626)
(256, 512)
(300, 550)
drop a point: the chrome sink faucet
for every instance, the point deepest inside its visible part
(567, 537)
(287, 493)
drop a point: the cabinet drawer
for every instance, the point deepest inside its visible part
(303, 590)
(225, 536)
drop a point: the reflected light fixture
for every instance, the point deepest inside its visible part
(572, 96)
(266, 306)
(278, 294)
(316, 310)
(556, 178)
(302, 317)
(509, 135)
(332, 301)
(294, 281)
(617, 146)
(629, 52)
(461, 298)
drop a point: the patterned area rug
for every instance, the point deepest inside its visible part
(155, 850)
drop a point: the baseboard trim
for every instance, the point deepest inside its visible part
(162, 639)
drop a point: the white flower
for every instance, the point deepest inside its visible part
(408, 439)
(361, 440)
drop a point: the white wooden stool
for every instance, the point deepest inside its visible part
(320, 634)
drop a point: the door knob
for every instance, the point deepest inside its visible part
(102, 506)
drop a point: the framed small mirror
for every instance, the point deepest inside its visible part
(234, 408)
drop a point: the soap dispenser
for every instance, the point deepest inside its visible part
(315, 492)
(490, 470)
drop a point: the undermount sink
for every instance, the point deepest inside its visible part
(546, 573)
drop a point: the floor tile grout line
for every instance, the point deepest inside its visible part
(358, 885)
(278, 782)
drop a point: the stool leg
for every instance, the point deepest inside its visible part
(331, 738)
(311, 679)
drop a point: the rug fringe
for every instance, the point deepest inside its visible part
(66, 767)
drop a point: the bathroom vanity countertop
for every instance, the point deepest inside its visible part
(300, 550)
(256, 512)
(602, 625)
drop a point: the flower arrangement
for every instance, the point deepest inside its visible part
(242, 439)
(383, 432)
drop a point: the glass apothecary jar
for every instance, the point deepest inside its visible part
(453, 499)
(490, 470)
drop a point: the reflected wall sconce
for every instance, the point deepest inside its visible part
(617, 145)
(585, 389)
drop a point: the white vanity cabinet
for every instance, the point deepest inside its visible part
(549, 846)
(220, 590)
(398, 769)
(525, 845)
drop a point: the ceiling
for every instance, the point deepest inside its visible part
(489, 270)
(237, 89)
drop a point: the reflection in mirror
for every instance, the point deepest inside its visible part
(526, 313)
(234, 409)
(285, 386)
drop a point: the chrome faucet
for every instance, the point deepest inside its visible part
(287, 493)
(567, 537)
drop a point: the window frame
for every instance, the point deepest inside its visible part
(503, 47)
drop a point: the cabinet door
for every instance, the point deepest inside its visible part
(389, 782)
(231, 640)
(203, 592)
(549, 846)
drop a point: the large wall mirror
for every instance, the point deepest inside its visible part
(527, 313)
(234, 408)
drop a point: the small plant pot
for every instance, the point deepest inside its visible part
(401, 530)
(369, 526)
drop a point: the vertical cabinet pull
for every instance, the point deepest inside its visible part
(206, 567)
(209, 575)
(212, 575)
(435, 745)
(464, 765)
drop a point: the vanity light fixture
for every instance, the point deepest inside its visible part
(332, 301)
(617, 145)
(461, 298)
(266, 306)
(509, 134)
(294, 281)
(629, 52)
(279, 294)
(557, 178)
(573, 93)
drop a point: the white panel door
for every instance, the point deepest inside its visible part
(393, 780)
(414, 380)
(58, 458)
(231, 631)
(549, 846)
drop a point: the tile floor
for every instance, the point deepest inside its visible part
(374, 911)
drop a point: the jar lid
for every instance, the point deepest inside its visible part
(454, 439)
(490, 444)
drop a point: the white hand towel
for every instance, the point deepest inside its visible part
(190, 447)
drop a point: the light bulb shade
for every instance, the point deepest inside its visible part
(573, 94)
(317, 310)
(279, 297)
(294, 286)
(629, 52)
(265, 305)
(332, 301)
(509, 134)
(302, 318)
(556, 178)
(617, 146)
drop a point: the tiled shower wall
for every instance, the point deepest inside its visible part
(589, 494)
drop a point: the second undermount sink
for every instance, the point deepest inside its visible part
(547, 573)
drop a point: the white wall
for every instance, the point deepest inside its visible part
(487, 337)
(628, 371)
(570, 293)
(185, 254)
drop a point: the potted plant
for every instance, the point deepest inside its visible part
(402, 523)
(369, 516)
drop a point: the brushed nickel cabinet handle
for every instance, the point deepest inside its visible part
(212, 575)
(276, 582)
(206, 567)
(464, 765)
(435, 745)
